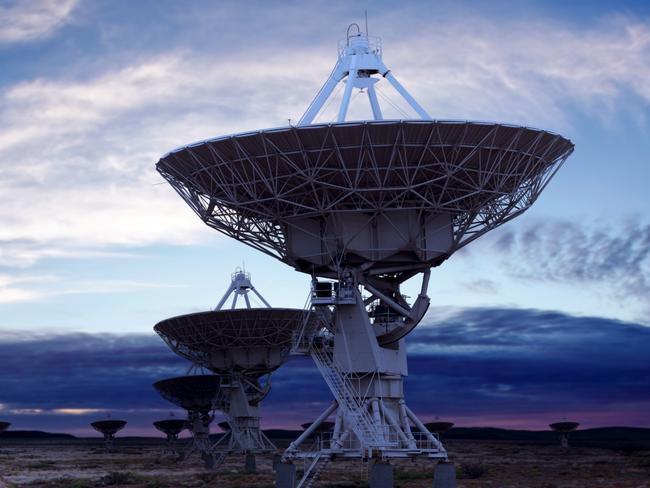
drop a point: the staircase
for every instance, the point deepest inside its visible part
(346, 395)
(312, 473)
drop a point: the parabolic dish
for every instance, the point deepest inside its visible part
(109, 427)
(253, 341)
(4, 426)
(564, 426)
(385, 194)
(197, 393)
(439, 427)
(170, 426)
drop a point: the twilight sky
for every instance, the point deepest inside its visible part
(95, 248)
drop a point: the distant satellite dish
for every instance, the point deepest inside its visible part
(108, 428)
(564, 428)
(439, 427)
(4, 426)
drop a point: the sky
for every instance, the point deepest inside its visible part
(544, 318)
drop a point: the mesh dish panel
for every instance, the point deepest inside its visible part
(254, 186)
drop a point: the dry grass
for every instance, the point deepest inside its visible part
(480, 464)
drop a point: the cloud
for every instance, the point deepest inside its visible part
(613, 259)
(32, 287)
(77, 152)
(27, 20)
(499, 366)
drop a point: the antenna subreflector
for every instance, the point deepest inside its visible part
(359, 65)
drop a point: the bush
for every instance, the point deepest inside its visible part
(117, 478)
(471, 471)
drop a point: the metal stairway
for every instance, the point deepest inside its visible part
(346, 395)
(312, 473)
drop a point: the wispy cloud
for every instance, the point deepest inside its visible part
(26, 20)
(615, 260)
(29, 287)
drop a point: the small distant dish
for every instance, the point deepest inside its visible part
(439, 427)
(170, 427)
(564, 426)
(4, 426)
(108, 427)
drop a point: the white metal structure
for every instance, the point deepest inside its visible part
(367, 205)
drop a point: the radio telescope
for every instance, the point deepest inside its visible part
(4, 426)
(108, 428)
(368, 205)
(171, 427)
(439, 427)
(243, 347)
(564, 428)
(198, 394)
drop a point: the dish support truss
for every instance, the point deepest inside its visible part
(359, 59)
(199, 426)
(372, 419)
(240, 397)
(240, 286)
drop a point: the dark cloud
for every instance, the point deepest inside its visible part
(473, 365)
(566, 252)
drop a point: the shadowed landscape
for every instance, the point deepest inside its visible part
(616, 457)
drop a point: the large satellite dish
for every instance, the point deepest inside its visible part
(368, 205)
(4, 426)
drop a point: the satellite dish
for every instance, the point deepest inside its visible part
(439, 428)
(108, 428)
(199, 395)
(364, 206)
(4, 426)
(171, 427)
(243, 347)
(225, 426)
(564, 428)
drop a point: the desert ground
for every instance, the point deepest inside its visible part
(139, 464)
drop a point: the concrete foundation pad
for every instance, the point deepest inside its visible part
(285, 475)
(250, 467)
(381, 475)
(444, 475)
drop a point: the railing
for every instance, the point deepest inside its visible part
(326, 441)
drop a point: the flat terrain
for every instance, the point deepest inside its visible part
(497, 464)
